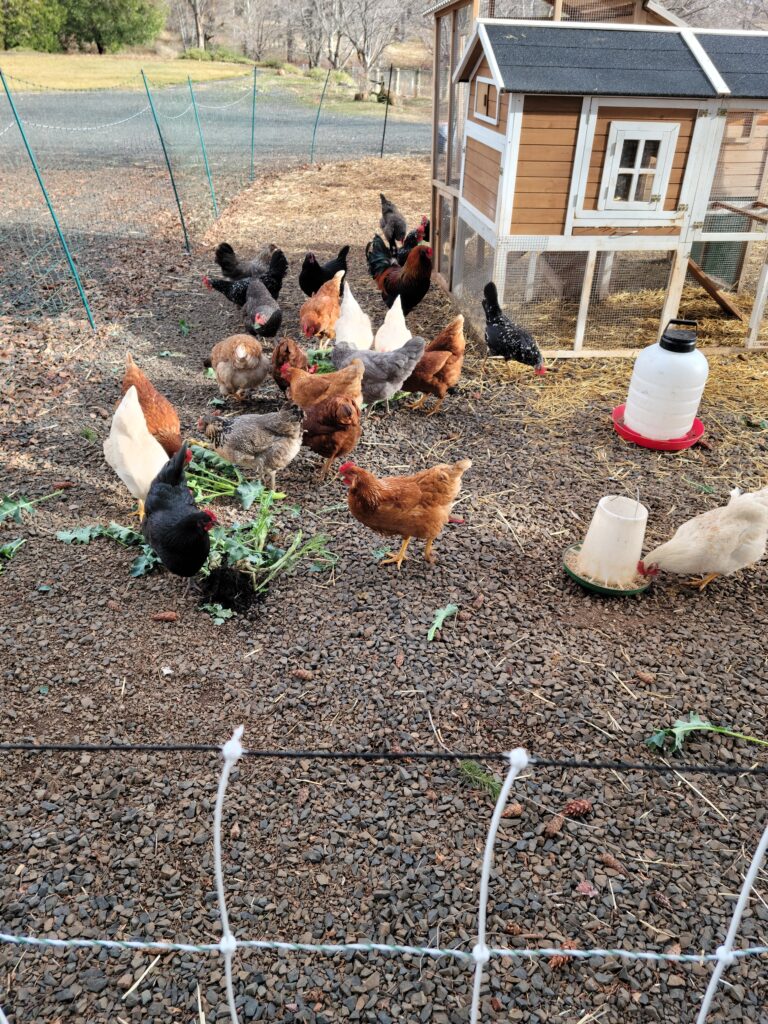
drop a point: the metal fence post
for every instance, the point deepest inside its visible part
(253, 121)
(386, 113)
(202, 147)
(317, 118)
(167, 160)
(49, 204)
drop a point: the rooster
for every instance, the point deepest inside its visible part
(392, 223)
(412, 239)
(161, 418)
(404, 506)
(173, 526)
(410, 282)
(504, 338)
(313, 274)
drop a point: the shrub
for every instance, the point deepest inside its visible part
(195, 54)
(223, 53)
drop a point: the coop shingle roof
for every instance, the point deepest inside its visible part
(741, 60)
(596, 62)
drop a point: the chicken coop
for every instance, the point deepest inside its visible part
(606, 176)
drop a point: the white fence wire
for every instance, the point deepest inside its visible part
(478, 957)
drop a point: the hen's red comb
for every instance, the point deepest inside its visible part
(188, 456)
(207, 282)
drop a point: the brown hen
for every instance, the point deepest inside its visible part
(306, 389)
(287, 351)
(332, 429)
(320, 312)
(162, 419)
(439, 368)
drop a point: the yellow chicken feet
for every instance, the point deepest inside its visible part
(418, 404)
(399, 558)
(428, 556)
(700, 584)
(139, 509)
(436, 407)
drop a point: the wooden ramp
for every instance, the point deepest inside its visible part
(712, 289)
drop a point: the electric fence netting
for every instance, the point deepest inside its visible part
(86, 174)
(452, 935)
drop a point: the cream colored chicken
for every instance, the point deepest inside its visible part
(353, 326)
(716, 543)
(394, 332)
(240, 364)
(131, 450)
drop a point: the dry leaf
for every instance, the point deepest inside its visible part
(302, 796)
(235, 831)
(674, 949)
(399, 660)
(113, 605)
(496, 1004)
(645, 677)
(165, 617)
(302, 673)
(586, 888)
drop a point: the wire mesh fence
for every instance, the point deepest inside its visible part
(139, 162)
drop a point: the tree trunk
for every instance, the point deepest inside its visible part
(289, 45)
(199, 27)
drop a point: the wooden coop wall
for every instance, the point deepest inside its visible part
(482, 169)
(545, 164)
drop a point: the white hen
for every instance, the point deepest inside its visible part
(394, 332)
(716, 543)
(131, 450)
(353, 326)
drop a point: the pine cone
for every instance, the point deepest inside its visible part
(513, 810)
(554, 825)
(610, 862)
(559, 961)
(577, 808)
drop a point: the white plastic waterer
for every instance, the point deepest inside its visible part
(667, 384)
(614, 542)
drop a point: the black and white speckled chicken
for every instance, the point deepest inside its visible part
(505, 338)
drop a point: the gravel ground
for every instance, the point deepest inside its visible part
(120, 845)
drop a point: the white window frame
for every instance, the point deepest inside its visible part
(478, 114)
(644, 131)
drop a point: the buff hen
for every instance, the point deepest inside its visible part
(240, 364)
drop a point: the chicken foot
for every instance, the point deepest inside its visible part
(703, 582)
(418, 404)
(399, 558)
(436, 407)
(428, 556)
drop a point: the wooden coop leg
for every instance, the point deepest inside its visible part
(530, 279)
(758, 309)
(675, 285)
(604, 275)
(586, 294)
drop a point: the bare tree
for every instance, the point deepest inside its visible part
(370, 26)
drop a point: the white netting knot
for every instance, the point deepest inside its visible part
(233, 748)
(228, 944)
(725, 955)
(518, 758)
(480, 953)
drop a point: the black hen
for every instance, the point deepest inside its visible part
(174, 527)
(263, 316)
(269, 269)
(313, 275)
(235, 291)
(232, 266)
(392, 223)
(504, 338)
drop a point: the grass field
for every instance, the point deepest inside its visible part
(90, 71)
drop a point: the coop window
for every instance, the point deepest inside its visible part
(486, 100)
(638, 165)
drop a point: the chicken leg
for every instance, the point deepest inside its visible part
(700, 584)
(399, 558)
(326, 467)
(418, 404)
(428, 556)
(436, 407)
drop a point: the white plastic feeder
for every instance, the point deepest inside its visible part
(614, 542)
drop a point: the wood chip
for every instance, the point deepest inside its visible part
(165, 617)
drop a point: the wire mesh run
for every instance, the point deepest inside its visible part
(627, 298)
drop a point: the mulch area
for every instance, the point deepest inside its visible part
(120, 845)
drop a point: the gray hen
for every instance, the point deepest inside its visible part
(384, 371)
(262, 445)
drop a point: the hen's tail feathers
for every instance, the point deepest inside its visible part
(341, 259)
(226, 257)
(378, 256)
(207, 363)
(426, 230)
(278, 268)
(172, 472)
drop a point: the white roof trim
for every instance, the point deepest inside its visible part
(464, 63)
(618, 26)
(664, 12)
(490, 56)
(717, 81)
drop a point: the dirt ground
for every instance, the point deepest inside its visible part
(119, 845)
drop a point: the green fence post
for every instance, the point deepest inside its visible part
(253, 120)
(317, 118)
(202, 147)
(386, 113)
(49, 204)
(167, 160)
